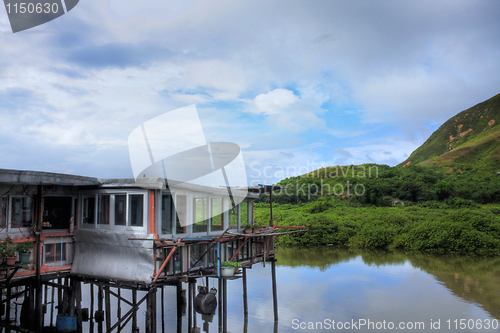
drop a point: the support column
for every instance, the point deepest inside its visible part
(91, 314)
(78, 308)
(119, 308)
(194, 312)
(134, 315)
(100, 297)
(162, 300)
(190, 305)
(219, 310)
(179, 306)
(108, 308)
(52, 305)
(151, 311)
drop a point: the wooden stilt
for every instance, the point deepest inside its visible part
(134, 315)
(151, 311)
(194, 312)
(78, 307)
(221, 301)
(179, 306)
(107, 301)
(52, 305)
(119, 308)
(44, 306)
(190, 305)
(162, 300)
(91, 314)
(100, 298)
(71, 297)
(59, 297)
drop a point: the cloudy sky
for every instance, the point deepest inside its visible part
(296, 84)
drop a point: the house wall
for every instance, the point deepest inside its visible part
(17, 220)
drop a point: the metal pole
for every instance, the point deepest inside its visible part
(271, 205)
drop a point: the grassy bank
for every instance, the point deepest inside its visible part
(429, 227)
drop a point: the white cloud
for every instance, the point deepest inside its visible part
(274, 102)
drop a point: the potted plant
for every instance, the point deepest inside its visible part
(229, 268)
(236, 266)
(248, 228)
(256, 227)
(10, 251)
(24, 250)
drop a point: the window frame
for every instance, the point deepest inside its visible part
(112, 226)
(10, 227)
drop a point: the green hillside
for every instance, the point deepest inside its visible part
(470, 138)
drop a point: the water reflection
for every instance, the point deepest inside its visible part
(391, 286)
(326, 284)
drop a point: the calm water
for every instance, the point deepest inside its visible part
(322, 285)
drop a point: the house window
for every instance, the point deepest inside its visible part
(136, 206)
(3, 212)
(103, 209)
(57, 212)
(167, 209)
(181, 210)
(21, 211)
(217, 219)
(55, 253)
(121, 209)
(200, 214)
(88, 210)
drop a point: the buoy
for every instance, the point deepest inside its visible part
(205, 302)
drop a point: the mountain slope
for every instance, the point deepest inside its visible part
(471, 138)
